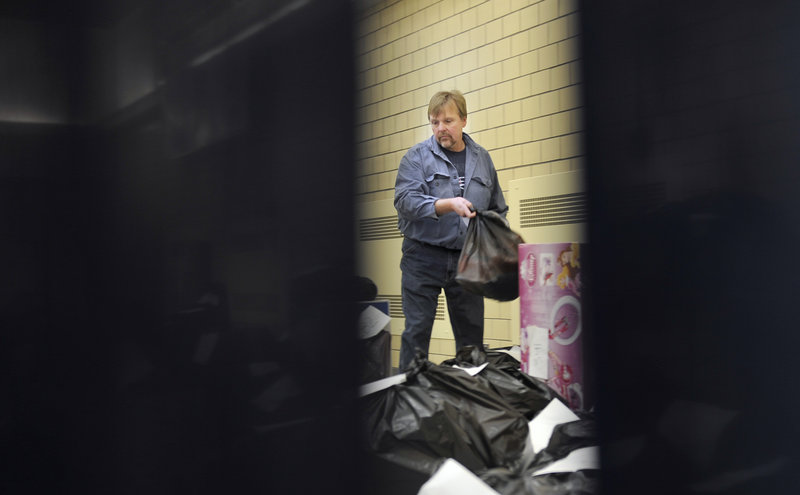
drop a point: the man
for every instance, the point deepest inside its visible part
(440, 182)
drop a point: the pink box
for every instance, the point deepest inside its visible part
(551, 318)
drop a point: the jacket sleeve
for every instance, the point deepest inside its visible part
(412, 198)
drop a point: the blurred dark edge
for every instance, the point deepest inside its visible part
(177, 308)
(692, 117)
(177, 261)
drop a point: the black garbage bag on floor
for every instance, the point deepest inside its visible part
(572, 436)
(566, 438)
(442, 412)
(376, 357)
(488, 264)
(511, 366)
(506, 482)
(524, 393)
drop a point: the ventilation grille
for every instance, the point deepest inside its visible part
(562, 209)
(396, 306)
(379, 228)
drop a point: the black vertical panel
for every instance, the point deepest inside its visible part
(692, 118)
(55, 362)
(236, 184)
(177, 313)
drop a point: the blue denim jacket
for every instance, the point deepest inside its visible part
(426, 174)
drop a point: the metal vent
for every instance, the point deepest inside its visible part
(379, 228)
(396, 306)
(562, 209)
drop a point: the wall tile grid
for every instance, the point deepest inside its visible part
(517, 63)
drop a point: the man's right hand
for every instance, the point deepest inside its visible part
(459, 206)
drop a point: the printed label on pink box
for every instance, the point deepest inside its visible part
(551, 319)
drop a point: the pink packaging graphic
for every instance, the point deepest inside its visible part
(551, 319)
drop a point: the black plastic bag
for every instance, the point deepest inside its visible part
(566, 438)
(376, 357)
(572, 436)
(506, 482)
(442, 412)
(489, 261)
(526, 394)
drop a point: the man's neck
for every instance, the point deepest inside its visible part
(457, 148)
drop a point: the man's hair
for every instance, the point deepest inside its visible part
(442, 98)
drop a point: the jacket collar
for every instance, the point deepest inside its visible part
(471, 156)
(437, 150)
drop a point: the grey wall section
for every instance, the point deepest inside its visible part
(176, 313)
(692, 120)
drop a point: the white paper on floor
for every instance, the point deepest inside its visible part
(384, 383)
(371, 321)
(540, 428)
(473, 370)
(454, 479)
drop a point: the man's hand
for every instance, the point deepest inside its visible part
(459, 206)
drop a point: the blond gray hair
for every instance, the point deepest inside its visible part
(442, 98)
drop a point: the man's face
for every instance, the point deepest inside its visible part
(448, 127)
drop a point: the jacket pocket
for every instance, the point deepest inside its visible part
(479, 191)
(440, 185)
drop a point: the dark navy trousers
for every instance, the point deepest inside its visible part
(426, 270)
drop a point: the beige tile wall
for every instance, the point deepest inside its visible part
(517, 63)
